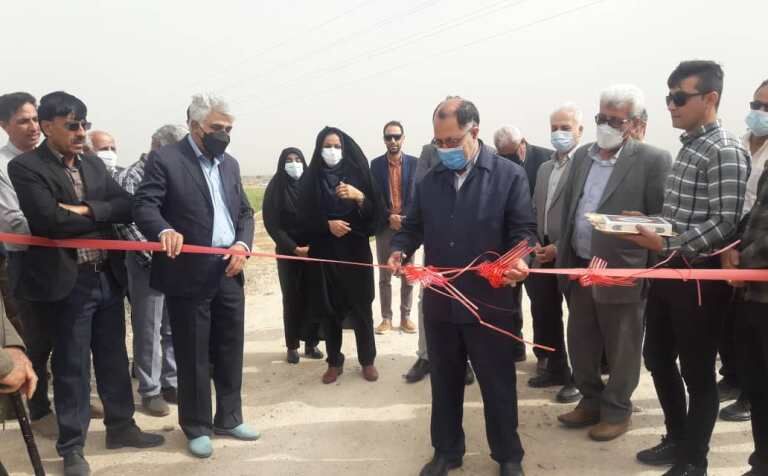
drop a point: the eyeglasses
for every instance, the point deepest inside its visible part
(615, 122)
(394, 137)
(450, 142)
(75, 126)
(680, 98)
(758, 105)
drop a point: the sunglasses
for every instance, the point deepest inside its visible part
(614, 122)
(758, 105)
(395, 137)
(680, 98)
(76, 125)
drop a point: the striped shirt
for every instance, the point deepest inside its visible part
(130, 179)
(705, 191)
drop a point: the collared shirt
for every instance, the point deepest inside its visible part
(396, 184)
(461, 176)
(705, 190)
(223, 228)
(130, 178)
(73, 172)
(599, 174)
(12, 219)
(759, 159)
(554, 180)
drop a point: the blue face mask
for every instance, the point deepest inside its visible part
(757, 121)
(453, 158)
(562, 141)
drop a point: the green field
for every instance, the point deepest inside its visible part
(255, 196)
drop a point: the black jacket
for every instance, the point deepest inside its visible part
(174, 194)
(41, 182)
(534, 157)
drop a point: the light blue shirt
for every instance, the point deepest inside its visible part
(594, 187)
(223, 228)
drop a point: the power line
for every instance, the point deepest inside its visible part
(292, 62)
(366, 56)
(289, 40)
(439, 54)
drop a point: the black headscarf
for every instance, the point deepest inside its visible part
(284, 187)
(318, 199)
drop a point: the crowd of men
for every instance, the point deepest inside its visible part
(461, 198)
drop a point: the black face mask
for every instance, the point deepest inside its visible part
(215, 143)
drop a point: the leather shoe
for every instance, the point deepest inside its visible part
(407, 326)
(684, 469)
(75, 464)
(200, 447)
(607, 431)
(727, 391)
(333, 373)
(663, 454)
(511, 469)
(47, 426)
(419, 370)
(240, 432)
(292, 356)
(469, 377)
(97, 410)
(568, 394)
(384, 327)
(740, 410)
(312, 352)
(155, 406)
(370, 373)
(548, 379)
(439, 466)
(579, 418)
(171, 395)
(132, 437)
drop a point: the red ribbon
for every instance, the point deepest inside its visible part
(439, 279)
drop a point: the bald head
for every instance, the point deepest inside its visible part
(459, 109)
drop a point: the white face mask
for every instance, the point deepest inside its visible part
(609, 138)
(294, 169)
(331, 156)
(109, 157)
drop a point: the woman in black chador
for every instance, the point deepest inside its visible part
(281, 220)
(341, 209)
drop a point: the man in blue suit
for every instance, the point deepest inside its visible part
(394, 173)
(471, 203)
(192, 193)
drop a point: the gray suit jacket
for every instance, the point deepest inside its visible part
(427, 160)
(636, 184)
(555, 211)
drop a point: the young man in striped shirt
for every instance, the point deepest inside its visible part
(704, 200)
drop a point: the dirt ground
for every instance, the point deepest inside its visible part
(357, 428)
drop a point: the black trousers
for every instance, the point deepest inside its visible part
(293, 287)
(752, 338)
(493, 359)
(677, 327)
(727, 347)
(38, 337)
(208, 330)
(91, 320)
(362, 320)
(517, 323)
(547, 312)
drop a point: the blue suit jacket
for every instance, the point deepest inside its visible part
(380, 172)
(491, 212)
(174, 194)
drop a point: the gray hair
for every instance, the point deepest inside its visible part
(623, 95)
(505, 135)
(571, 108)
(168, 134)
(205, 103)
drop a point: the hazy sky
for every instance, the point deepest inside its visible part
(291, 67)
